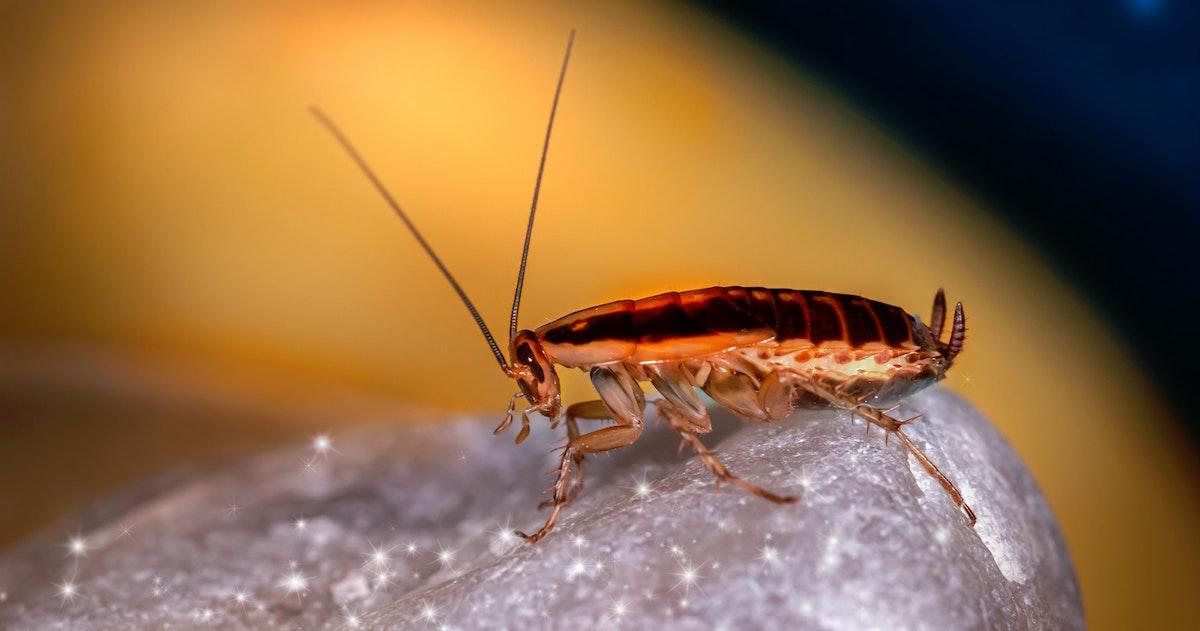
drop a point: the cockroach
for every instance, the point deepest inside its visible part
(758, 352)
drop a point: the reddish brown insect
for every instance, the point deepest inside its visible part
(758, 352)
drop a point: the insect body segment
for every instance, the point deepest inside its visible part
(758, 352)
(678, 326)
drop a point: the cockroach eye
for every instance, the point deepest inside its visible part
(525, 355)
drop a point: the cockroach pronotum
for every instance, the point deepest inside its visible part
(757, 352)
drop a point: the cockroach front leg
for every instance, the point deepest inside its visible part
(892, 426)
(623, 398)
(682, 424)
(613, 437)
(594, 410)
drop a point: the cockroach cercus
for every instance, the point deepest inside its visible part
(758, 352)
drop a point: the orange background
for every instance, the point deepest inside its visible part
(191, 268)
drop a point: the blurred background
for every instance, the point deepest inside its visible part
(192, 270)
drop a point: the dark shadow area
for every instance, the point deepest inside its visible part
(1076, 121)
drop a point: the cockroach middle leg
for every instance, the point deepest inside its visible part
(680, 423)
(891, 426)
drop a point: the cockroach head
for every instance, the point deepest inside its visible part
(534, 373)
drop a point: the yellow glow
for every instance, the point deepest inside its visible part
(167, 197)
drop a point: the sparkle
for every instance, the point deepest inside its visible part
(578, 541)
(233, 508)
(504, 535)
(352, 621)
(378, 555)
(445, 556)
(322, 443)
(77, 546)
(428, 612)
(688, 575)
(801, 479)
(300, 524)
(295, 583)
(620, 608)
(641, 486)
(382, 578)
(768, 555)
(67, 590)
(410, 549)
(126, 531)
(240, 598)
(941, 535)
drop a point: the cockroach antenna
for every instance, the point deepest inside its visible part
(537, 188)
(395, 206)
(756, 351)
(391, 201)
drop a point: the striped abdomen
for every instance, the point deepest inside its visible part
(685, 325)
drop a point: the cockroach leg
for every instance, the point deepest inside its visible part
(508, 415)
(625, 402)
(893, 426)
(680, 423)
(612, 437)
(524, 433)
(594, 410)
(676, 388)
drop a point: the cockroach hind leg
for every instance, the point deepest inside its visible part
(893, 426)
(937, 474)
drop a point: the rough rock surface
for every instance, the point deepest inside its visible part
(409, 527)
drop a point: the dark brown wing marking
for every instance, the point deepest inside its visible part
(826, 322)
(792, 310)
(896, 324)
(714, 310)
(762, 306)
(861, 324)
(789, 314)
(662, 317)
(610, 322)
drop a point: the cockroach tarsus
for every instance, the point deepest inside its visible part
(758, 352)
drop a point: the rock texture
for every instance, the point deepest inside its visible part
(410, 527)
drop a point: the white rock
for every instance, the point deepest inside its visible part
(409, 527)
